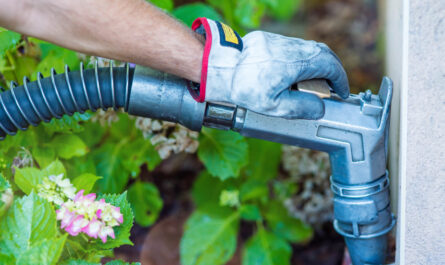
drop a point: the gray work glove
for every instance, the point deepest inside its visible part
(255, 72)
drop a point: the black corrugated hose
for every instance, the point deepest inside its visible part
(60, 94)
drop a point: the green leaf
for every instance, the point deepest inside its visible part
(43, 155)
(189, 12)
(265, 248)
(92, 133)
(24, 66)
(6, 259)
(120, 262)
(27, 179)
(68, 146)
(210, 237)
(80, 165)
(122, 232)
(29, 220)
(228, 9)
(223, 153)
(282, 9)
(80, 262)
(74, 249)
(8, 40)
(264, 159)
(85, 182)
(249, 12)
(145, 201)
(250, 212)
(123, 127)
(46, 252)
(138, 152)
(283, 189)
(55, 168)
(4, 184)
(78, 249)
(253, 189)
(164, 4)
(109, 164)
(285, 226)
(206, 189)
(67, 124)
(57, 57)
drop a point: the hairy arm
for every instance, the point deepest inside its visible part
(126, 30)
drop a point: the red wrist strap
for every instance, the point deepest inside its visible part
(205, 58)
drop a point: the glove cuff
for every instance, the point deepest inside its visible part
(222, 48)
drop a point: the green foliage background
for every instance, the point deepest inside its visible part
(237, 185)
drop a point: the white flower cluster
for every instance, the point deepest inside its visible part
(167, 137)
(105, 117)
(56, 189)
(310, 170)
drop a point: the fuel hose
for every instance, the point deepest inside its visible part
(59, 94)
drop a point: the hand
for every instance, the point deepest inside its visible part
(256, 72)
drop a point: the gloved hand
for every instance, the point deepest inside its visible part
(255, 72)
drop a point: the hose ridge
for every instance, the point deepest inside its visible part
(11, 86)
(67, 79)
(56, 91)
(96, 74)
(67, 93)
(39, 83)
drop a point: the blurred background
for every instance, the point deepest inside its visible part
(292, 201)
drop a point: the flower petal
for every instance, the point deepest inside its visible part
(98, 213)
(76, 225)
(116, 212)
(68, 217)
(78, 196)
(93, 228)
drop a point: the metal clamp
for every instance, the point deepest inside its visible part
(360, 191)
(219, 115)
(357, 235)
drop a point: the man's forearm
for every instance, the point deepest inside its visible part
(130, 30)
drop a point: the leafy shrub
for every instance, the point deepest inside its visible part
(104, 152)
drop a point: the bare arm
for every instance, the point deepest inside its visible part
(130, 30)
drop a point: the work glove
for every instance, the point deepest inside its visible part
(257, 71)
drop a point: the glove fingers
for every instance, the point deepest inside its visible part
(299, 105)
(326, 65)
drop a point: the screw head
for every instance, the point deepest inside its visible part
(367, 95)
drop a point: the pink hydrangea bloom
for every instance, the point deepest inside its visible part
(84, 214)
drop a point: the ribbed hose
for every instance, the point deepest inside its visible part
(60, 94)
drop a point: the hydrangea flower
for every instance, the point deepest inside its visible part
(56, 189)
(84, 214)
(168, 137)
(80, 213)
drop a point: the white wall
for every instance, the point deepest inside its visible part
(416, 62)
